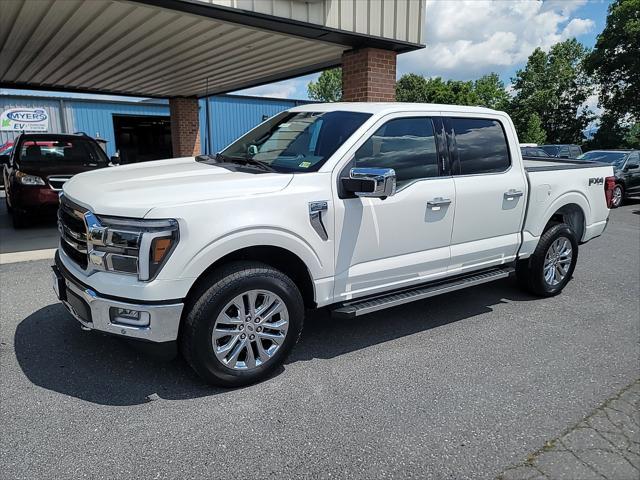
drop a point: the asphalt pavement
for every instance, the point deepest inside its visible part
(470, 385)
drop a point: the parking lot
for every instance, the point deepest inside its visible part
(466, 385)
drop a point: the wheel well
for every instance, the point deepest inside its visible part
(279, 258)
(572, 215)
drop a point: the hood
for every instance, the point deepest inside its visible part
(133, 190)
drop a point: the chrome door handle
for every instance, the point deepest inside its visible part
(438, 202)
(512, 193)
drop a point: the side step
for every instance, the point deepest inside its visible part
(364, 306)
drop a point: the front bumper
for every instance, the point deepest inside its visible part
(92, 310)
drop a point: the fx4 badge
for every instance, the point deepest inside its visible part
(596, 181)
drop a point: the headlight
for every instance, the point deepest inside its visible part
(137, 247)
(25, 179)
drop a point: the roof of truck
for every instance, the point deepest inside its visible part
(388, 107)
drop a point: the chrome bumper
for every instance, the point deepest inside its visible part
(93, 311)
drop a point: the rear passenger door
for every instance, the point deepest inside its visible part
(490, 194)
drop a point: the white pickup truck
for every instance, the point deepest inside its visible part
(354, 207)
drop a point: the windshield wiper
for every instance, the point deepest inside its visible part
(246, 161)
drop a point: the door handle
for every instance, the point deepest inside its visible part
(512, 193)
(438, 202)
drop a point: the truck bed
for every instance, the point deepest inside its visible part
(537, 164)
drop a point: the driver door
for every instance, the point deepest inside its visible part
(403, 239)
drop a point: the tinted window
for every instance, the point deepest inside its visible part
(550, 149)
(634, 158)
(575, 152)
(297, 142)
(482, 146)
(614, 158)
(407, 145)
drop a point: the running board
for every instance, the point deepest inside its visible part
(364, 306)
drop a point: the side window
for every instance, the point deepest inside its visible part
(575, 152)
(634, 158)
(407, 145)
(482, 146)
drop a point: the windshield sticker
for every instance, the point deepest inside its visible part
(305, 165)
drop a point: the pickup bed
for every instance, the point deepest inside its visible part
(352, 207)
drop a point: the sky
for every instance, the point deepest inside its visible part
(466, 39)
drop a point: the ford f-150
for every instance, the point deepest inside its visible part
(353, 207)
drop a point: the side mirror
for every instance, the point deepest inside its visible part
(115, 159)
(631, 166)
(371, 182)
(5, 159)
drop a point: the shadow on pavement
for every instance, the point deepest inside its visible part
(55, 354)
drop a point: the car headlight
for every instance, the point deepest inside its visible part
(26, 179)
(136, 247)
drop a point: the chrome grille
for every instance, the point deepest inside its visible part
(73, 231)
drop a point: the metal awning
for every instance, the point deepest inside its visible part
(161, 48)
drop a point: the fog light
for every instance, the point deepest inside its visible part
(124, 316)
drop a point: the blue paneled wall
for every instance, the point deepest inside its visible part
(230, 116)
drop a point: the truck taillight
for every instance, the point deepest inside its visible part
(609, 185)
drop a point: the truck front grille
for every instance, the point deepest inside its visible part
(73, 231)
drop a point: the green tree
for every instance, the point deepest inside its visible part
(554, 86)
(615, 64)
(533, 131)
(491, 93)
(416, 88)
(328, 88)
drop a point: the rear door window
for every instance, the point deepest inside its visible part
(408, 145)
(481, 146)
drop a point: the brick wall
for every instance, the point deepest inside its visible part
(369, 75)
(185, 126)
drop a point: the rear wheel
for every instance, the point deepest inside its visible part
(243, 325)
(617, 197)
(551, 266)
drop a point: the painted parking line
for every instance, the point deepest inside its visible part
(30, 255)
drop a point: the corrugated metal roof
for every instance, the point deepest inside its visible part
(141, 48)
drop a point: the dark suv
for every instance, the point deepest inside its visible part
(626, 168)
(39, 165)
(562, 150)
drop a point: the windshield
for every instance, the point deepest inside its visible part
(296, 141)
(613, 158)
(74, 151)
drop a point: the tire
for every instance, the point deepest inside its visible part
(531, 272)
(216, 302)
(617, 196)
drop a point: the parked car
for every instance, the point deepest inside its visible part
(528, 151)
(5, 152)
(563, 151)
(626, 167)
(38, 167)
(353, 207)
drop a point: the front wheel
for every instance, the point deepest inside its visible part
(551, 266)
(243, 325)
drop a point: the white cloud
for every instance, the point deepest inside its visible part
(293, 89)
(466, 39)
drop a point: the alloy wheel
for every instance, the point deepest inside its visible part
(557, 261)
(250, 329)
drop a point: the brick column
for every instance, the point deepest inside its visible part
(369, 75)
(185, 126)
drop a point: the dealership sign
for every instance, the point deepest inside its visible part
(24, 120)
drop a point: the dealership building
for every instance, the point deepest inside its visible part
(138, 130)
(182, 51)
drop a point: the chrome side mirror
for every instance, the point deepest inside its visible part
(373, 182)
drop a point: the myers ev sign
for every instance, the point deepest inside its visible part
(24, 120)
